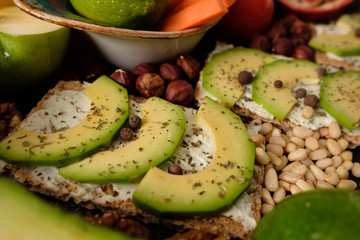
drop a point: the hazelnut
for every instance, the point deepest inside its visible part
(125, 78)
(311, 100)
(300, 92)
(282, 47)
(298, 40)
(261, 42)
(189, 65)
(300, 28)
(170, 71)
(143, 68)
(150, 84)
(303, 52)
(277, 31)
(126, 134)
(278, 84)
(135, 122)
(180, 92)
(245, 77)
(175, 169)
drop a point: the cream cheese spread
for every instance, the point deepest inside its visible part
(194, 153)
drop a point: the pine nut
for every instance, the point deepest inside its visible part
(258, 139)
(317, 172)
(324, 163)
(302, 132)
(316, 135)
(343, 143)
(307, 162)
(318, 154)
(322, 184)
(290, 147)
(286, 138)
(278, 140)
(284, 185)
(271, 180)
(268, 166)
(266, 197)
(348, 165)
(276, 132)
(347, 184)
(330, 169)
(298, 141)
(299, 169)
(347, 155)
(355, 170)
(284, 162)
(274, 159)
(322, 142)
(289, 167)
(297, 155)
(279, 195)
(289, 133)
(303, 185)
(311, 143)
(266, 208)
(331, 177)
(337, 161)
(277, 149)
(255, 122)
(334, 130)
(289, 177)
(307, 112)
(261, 156)
(295, 189)
(342, 172)
(266, 128)
(309, 176)
(333, 146)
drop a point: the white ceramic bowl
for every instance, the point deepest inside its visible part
(123, 48)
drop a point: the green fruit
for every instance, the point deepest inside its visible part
(339, 96)
(340, 44)
(162, 128)
(324, 214)
(24, 216)
(73, 144)
(279, 100)
(30, 49)
(132, 14)
(217, 185)
(220, 74)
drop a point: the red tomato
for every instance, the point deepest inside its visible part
(245, 19)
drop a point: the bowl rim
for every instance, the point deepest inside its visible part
(86, 26)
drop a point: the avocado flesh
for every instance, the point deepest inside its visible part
(339, 96)
(163, 125)
(108, 112)
(343, 45)
(217, 185)
(280, 101)
(24, 216)
(313, 215)
(220, 74)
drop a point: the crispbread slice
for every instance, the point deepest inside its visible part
(116, 198)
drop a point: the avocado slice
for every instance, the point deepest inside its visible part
(220, 74)
(321, 214)
(280, 101)
(347, 44)
(109, 111)
(163, 125)
(24, 216)
(339, 96)
(217, 185)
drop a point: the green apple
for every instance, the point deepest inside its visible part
(30, 49)
(132, 14)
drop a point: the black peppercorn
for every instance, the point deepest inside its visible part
(321, 71)
(134, 122)
(311, 100)
(245, 77)
(175, 169)
(300, 93)
(126, 134)
(278, 84)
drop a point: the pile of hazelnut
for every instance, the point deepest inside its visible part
(288, 36)
(173, 81)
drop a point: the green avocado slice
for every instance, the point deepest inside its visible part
(108, 112)
(220, 74)
(24, 216)
(217, 185)
(340, 97)
(163, 125)
(280, 101)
